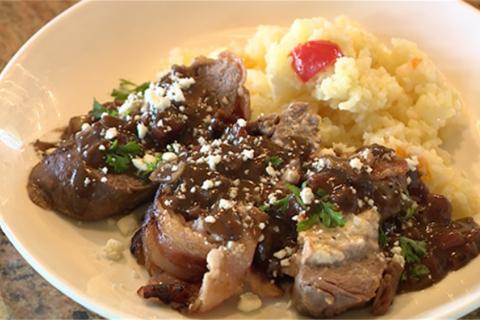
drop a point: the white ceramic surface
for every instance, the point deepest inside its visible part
(85, 50)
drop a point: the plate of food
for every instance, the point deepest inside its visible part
(248, 159)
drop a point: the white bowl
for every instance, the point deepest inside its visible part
(84, 51)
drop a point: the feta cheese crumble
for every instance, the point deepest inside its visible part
(142, 130)
(111, 133)
(307, 195)
(249, 302)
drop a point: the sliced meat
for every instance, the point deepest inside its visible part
(388, 288)
(172, 246)
(223, 80)
(330, 290)
(65, 182)
(227, 268)
(340, 268)
(297, 121)
(74, 181)
(183, 250)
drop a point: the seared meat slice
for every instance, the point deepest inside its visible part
(328, 291)
(220, 84)
(184, 250)
(339, 268)
(75, 179)
(388, 287)
(70, 180)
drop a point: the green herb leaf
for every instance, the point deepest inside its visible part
(321, 193)
(308, 223)
(296, 193)
(335, 219)
(264, 207)
(382, 237)
(98, 109)
(126, 87)
(119, 157)
(118, 163)
(410, 212)
(151, 166)
(130, 148)
(276, 161)
(412, 250)
(419, 271)
(280, 204)
(324, 213)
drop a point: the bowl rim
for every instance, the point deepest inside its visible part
(453, 309)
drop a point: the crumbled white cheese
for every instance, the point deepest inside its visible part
(210, 219)
(185, 83)
(139, 164)
(175, 93)
(111, 133)
(249, 302)
(320, 164)
(148, 158)
(85, 126)
(397, 255)
(412, 163)
(87, 181)
(127, 224)
(284, 262)
(355, 163)
(169, 156)
(280, 254)
(142, 130)
(241, 122)
(205, 148)
(233, 192)
(101, 147)
(225, 204)
(103, 179)
(104, 170)
(207, 184)
(291, 175)
(213, 160)
(113, 250)
(155, 98)
(261, 225)
(271, 170)
(307, 195)
(247, 154)
(132, 104)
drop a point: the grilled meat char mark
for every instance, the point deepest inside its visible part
(72, 180)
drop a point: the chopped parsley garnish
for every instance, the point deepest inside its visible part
(275, 161)
(99, 109)
(324, 213)
(119, 157)
(126, 87)
(296, 193)
(382, 237)
(419, 271)
(412, 250)
(411, 211)
(118, 163)
(151, 166)
(280, 204)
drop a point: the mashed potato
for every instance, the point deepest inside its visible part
(386, 93)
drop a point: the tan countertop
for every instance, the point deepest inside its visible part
(23, 293)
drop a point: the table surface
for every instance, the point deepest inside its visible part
(24, 294)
